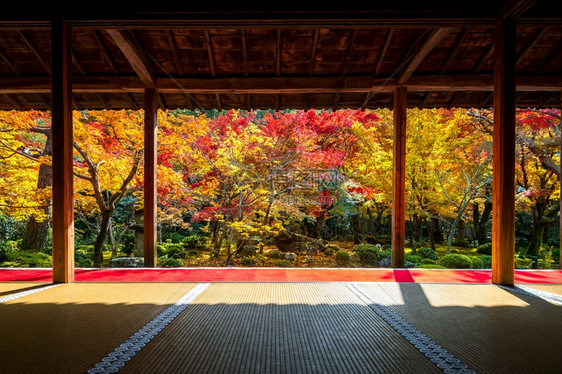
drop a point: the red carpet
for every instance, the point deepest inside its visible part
(279, 275)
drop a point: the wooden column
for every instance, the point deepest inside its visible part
(560, 239)
(150, 145)
(399, 179)
(503, 187)
(63, 199)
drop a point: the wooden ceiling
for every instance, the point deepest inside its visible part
(297, 58)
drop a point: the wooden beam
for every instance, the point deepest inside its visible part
(503, 164)
(8, 62)
(383, 51)
(63, 199)
(398, 231)
(455, 50)
(348, 52)
(245, 67)
(432, 41)
(174, 49)
(105, 52)
(34, 51)
(150, 177)
(313, 52)
(529, 45)
(210, 53)
(273, 85)
(278, 54)
(130, 47)
(515, 8)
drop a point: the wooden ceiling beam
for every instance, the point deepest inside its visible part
(455, 50)
(383, 51)
(529, 46)
(279, 54)
(348, 52)
(8, 62)
(281, 85)
(313, 52)
(105, 52)
(245, 67)
(210, 53)
(133, 52)
(35, 52)
(432, 41)
(516, 8)
(174, 50)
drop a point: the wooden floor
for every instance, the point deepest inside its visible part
(338, 327)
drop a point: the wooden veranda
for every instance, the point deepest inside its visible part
(503, 54)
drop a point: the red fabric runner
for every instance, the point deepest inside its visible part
(279, 275)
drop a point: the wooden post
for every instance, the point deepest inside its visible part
(150, 145)
(63, 199)
(503, 187)
(399, 179)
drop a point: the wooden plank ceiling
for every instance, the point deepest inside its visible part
(242, 59)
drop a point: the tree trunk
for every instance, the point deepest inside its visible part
(480, 221)
(436, 232)
(317, 228)
(429, 234)
(356, 227)
(35, 233)
(100, 239)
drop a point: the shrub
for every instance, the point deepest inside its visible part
(413, 259)
(456, 261)
(331, 249)
(430, 266)
(194, 242)
(484, 249)
(342, 257)
(248, 261)
(477, 263)
(556, 254)
(248, 250)
(192, 252)
(284, 263)
(428, 261)
(275, 253)
(170, 262)
(175, 251)
(368, 254)
(4, 249)
(86, 263)
(428, 253)
(486, 261)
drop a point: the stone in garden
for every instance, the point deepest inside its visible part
(288, 241)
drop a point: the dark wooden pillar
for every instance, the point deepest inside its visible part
(503, 188)
(150, 145)
(63, 199)
(560, 239)
(399, 179)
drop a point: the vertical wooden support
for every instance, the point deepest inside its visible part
(399, 179)
(503, 187)
(150, 145)
(560, 240)
(63, 199)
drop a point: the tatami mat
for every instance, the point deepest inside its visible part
(279, 328)
(68, 328)
(491, 329)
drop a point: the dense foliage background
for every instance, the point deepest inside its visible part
(230, 183)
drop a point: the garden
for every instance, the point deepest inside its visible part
(280, 189)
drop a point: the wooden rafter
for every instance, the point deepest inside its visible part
(431, 42)
(13, 101)
(132, 100)
(348, 52)
(77, 64)
(210, 53)
(133, 52)
(455, 50)
(384, 49)
(8, 62)
(105, 52)
(278, 54)
(174, 50)
(515, 8)
(34, 51)
(313, 51)
(485, 57)
(245, 67)
(529, 45)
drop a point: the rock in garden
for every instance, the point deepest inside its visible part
(288, 241)
(127, 262)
